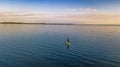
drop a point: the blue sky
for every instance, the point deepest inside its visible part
(58, 5)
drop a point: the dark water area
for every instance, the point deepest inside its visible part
(44, 46)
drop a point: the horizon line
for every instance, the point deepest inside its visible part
(45, 23)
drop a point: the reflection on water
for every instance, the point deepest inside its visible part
(44, 46)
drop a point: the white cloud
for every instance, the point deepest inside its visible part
(87, 10)
(81, 10)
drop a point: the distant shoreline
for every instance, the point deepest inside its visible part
(61, 24)
(37, 23)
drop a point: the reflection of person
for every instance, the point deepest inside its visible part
(67, 43)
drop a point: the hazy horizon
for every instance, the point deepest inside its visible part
(61, 11)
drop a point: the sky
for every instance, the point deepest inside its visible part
(61, 11)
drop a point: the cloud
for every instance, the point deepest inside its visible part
(72, 9)
(93, 18)
(6, 16)
(87, 10)
(86, 18)
(81, 10)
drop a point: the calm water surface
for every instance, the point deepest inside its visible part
(44, 46)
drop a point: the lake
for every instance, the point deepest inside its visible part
(44, 46)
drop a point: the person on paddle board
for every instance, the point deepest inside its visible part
(67, 43)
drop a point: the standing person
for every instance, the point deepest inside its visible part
(67, 43)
